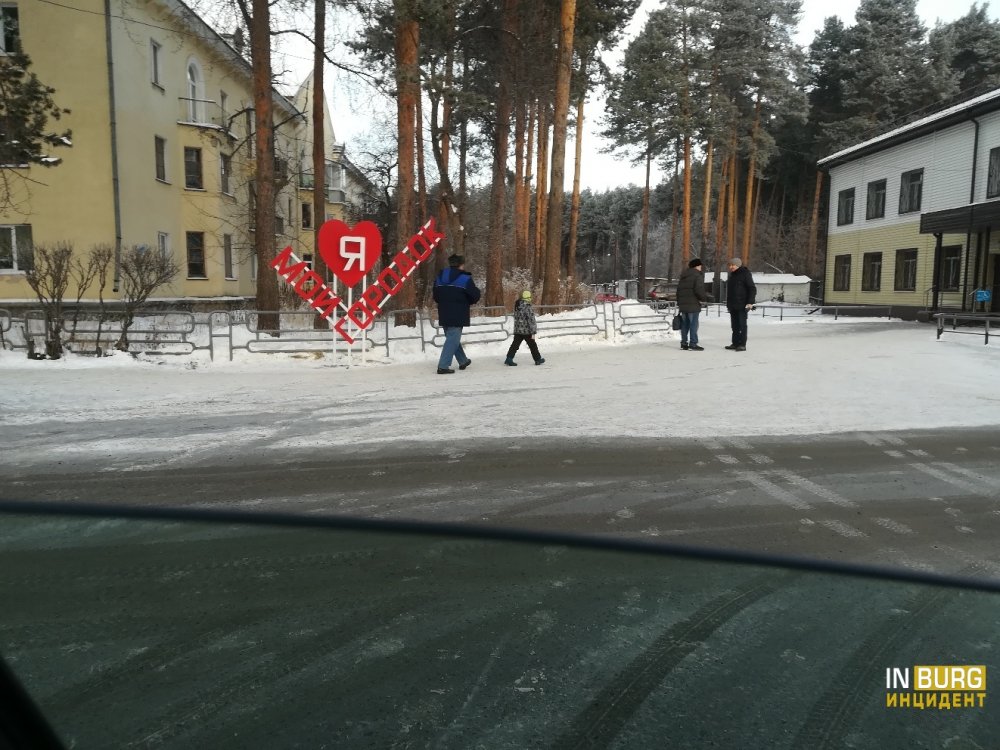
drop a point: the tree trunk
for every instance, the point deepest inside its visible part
(554, 220)
(686, 239)
(720, 216)
(734, 177)
(520, 236)
(814, 221)
(574, 210)
(501, 139)
(541, 187)
(418, 136)
(263, 220)
(529, 157)
(319, 150)
(674, 194)
(640, 271)
(751, 174)
(756, 212)
(706, 201)
(407, 34)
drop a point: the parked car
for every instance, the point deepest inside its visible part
(665, 291)
(606, 297)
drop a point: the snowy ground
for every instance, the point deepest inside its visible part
(798, 376)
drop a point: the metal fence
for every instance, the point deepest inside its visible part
(226, 333)
(967, 323)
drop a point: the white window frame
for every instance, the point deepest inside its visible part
(195, 82)
(204, 254)
(223, 110)
(15, 254)
(201, 168)
(154, 63)
(156, 141)
(227, 257)
(225, 174)
(163, 245)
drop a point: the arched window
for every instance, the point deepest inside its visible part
(195, 92)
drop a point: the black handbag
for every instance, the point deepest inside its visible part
(676, 325)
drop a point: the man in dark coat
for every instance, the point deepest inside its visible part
(690, 296)
(455, 292)
(741, 294)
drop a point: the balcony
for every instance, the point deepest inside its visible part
(203, 113)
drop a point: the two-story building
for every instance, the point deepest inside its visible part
(162, 155)
(915, 213)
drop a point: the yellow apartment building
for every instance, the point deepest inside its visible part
(162, 150)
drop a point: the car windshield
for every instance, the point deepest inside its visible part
(230, 631)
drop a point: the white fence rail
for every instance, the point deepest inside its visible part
(225, 333)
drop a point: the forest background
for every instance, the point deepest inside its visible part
(722, 100)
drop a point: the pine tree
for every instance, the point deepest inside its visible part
(26, 108)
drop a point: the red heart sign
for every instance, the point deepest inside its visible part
(350, 252)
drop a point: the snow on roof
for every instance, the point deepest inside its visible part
(944, 113)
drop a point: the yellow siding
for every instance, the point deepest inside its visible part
(887, 240)
(74, 201)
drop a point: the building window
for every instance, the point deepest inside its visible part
(192, 169)
(163, 244)
(842, 273)
(196, 255)
(224, 110)
(307, 215)
(911, 185)
(160, 149)
(871, 272)
(845, 207)
(253, 266)
(11, 37)
(154, 63)
(876, 200)
(951, 268)
(226, 165)
(15, 248)
(195, 92)
(227, 255)
(279, 225)
(993, 177)
(906, 270)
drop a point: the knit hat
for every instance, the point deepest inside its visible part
(526, 295)
(455, 261)
(736, 262)
(694, 262)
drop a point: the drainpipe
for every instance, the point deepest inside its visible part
(975, 158)
(114, 144)
(968, 235)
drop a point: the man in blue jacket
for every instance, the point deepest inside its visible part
(455, 292)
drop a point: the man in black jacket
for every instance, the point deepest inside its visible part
(691, 295)
(455, 292)
(741, 294)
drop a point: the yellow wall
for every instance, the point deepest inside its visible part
(74, 201)
(888, 240)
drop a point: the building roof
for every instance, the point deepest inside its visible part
(979, 105)
(223, 46)
(303, 100)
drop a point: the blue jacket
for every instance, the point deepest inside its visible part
(455, 292)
